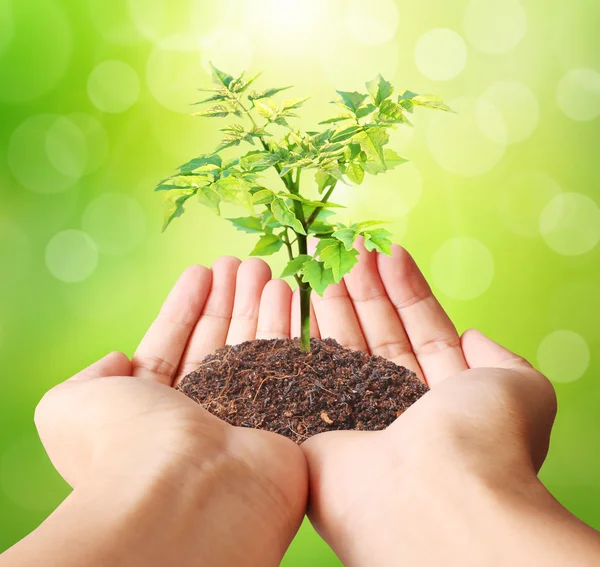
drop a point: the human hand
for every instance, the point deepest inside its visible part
(119, 427)
(381, 498)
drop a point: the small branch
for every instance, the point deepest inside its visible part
(288, 244)
(318, 210)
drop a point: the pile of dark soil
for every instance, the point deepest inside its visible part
(273, 385)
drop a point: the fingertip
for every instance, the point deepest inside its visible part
(256, 266)
(226, 263)
(480, 352)
(278, 287)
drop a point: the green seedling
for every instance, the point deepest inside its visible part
(349, 146)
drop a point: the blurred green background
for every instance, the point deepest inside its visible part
(499, 205)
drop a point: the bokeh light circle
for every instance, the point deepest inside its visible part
(112, 18)
(96, 139)
(113, 87)
(227, 49)
(518, 106)
(522, 198)
(570, 224)
(34, 167)
(563, 356)
(441, 54)
(36, 50)
(495, 27)
(467, 143)
(115, 222)
(463, 268)
(66, 148)
(71, 256)
(173, 78)
(578, 94)
(373, 26)
(22, 464)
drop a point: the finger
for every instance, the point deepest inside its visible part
(160, 351)
(482, 352)
(432, 334)
(210, 331)
(381, 326)
(113, 364)
(275, 311)
(337, 318)
(295, 317)
(252, 276)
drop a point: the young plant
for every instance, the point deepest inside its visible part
(350, 145)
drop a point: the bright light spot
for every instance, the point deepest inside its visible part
(229, 50)
(441, 54)
(96, 139)
(112, 18)
(461, 143)
(36, 50)
(463, 268)
(578, 94)
(522, 198)
(563, 356)
(71, 256)
(570, 224)
(495, 27)
(113, 87)
(519, 108)
(115, 222)
(372, 25)
(33, 166)
(173, 78)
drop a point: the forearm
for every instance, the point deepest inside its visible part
(153, 517)
(454, 519)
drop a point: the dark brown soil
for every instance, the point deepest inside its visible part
(273, 385)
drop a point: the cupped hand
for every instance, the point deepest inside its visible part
(486, 420)
(124, 418)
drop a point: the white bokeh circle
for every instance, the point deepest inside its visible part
(495, 27)
(467, 143)
(441, 54)
(66, 148)
(563, 356)
(227, 49)
(113, 86)
(518, 106)
(522, 198)
(463, 268)
(578, 94)
(173, 78)
(31, 163)
(96, 139)
(570, 224)
(71, 256)
(115, 222)
(373, 26)
(36, 50)
(22, 463)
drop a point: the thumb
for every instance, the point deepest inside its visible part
(113, 364)
(482, 352)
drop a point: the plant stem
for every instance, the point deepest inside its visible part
(305, 291)
(317, 211)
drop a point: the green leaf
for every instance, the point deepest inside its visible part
(174, 202)
(219, 111)
(208, 197)
(392, 159)
(268, 109)
(371, 141)
(268, 93)
(251, 225)
(263, 197)
(294, 266)
(234, 190)
(380, 90)
(425, 100)
(219, 96)
(339, 259)
(286, 216)
(391, 111)
(267, 245)
(294, 103)
(355, 172)
(311, 203)
(205, 161)
(221, 78)
(338, 118)
(365, 110)
(345, 133)
(351, 100)
(258, 161)
(347, 236)
(317, 276)
(324, 243)
(378, 239)
(241, 85)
